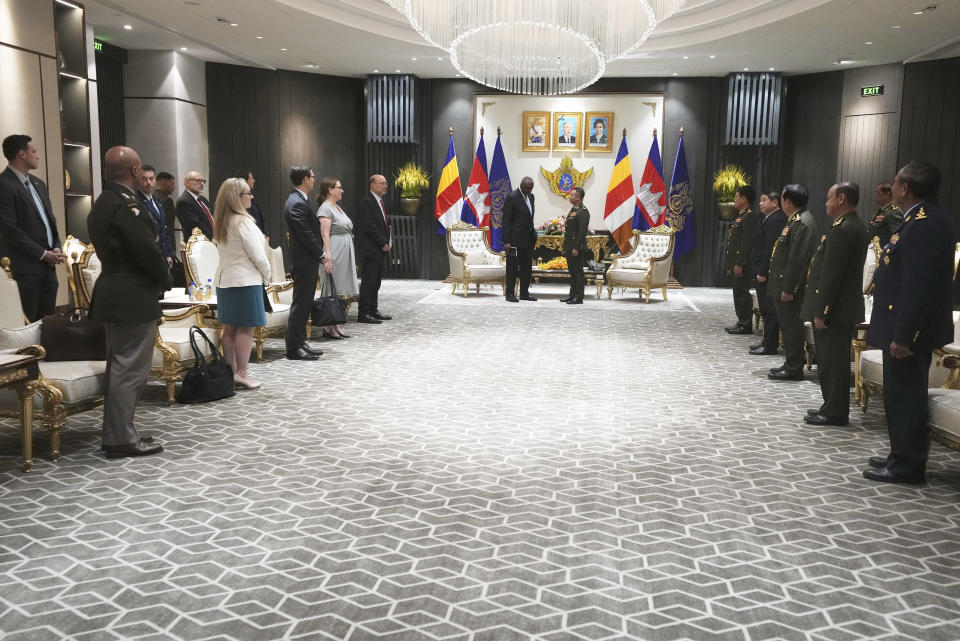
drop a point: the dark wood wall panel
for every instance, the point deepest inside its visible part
(268, 120)
(930, 128)
(867, 152)
(109, 87)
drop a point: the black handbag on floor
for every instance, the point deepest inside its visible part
(206, 381)
(328, 310)
(73, 337)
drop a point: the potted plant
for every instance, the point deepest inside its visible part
(411, 180)
(726, 182)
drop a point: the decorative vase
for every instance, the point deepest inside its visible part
(728, 211)
(410, 206)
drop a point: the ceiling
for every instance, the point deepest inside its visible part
(705, 38)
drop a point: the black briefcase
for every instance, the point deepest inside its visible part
(205, 381)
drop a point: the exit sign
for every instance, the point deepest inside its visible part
(97, 45)
(874, 90)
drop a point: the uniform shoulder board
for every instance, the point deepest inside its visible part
(126, 195)
(921, 215)
(823, 238)
(836, 222)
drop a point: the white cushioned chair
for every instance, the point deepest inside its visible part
(64, 387)
(944, 418)
(472, 262)
(646, 266)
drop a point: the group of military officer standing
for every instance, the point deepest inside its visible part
(799, 277)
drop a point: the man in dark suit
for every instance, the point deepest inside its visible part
(134, 274)
(193, 209)
(912, 316)
(833, 301)
(767, 234)
(599, 136)
(789, 262)
(567, 136)
(146, 194)
(373, 246)
(888, 217)
(165, 189)
(28, 229)
(736, 259)
(518, 238)
(254, 209)
(306, 247)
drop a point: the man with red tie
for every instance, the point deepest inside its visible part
(193, 209)
(373, 243)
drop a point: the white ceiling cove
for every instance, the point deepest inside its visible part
(705, 38)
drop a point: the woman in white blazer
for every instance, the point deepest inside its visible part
(241, 272)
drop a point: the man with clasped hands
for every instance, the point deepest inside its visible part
(519, 238)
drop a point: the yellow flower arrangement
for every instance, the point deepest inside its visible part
(555, 263)
(411, 180)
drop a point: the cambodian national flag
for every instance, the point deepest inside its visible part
(680, 204)
(652, 196)
(476, 202)
(449, 194)
(499, 188)
(618, 214)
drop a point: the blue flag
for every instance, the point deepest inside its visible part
(499, 188)
(680, 205)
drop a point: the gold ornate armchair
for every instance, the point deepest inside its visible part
(472, 262)
(64, 387)
(646, 266)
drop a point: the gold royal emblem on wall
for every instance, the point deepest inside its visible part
(565, 177)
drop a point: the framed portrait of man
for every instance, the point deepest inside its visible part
(601, 131)
(568, 130)
(536, 131)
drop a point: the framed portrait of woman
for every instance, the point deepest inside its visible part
(568, 134)
(536, 131)
(600, 131)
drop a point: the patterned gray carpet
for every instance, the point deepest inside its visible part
(487, 472)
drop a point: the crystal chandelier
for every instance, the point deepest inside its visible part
(541, 47)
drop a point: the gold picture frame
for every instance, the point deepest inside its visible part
(603, 143)
(567, 124)
(536, 131)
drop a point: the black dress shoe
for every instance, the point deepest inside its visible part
(884, 475)
(740, 330)
(575, 301)
(302, 355)
(785, 375)
(140, 448)
(762, 351)
(310, 350)
(144, 438)
(380, 316)
(823, 419)
(757, 346)
(368, 318)
(528, 297)
(566, 300)
(513, 299)
(812, 412)
(877, 461)
(332, 336)
(782, 368)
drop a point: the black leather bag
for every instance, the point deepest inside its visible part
(73, 337)
(328, 310)
(205, 381)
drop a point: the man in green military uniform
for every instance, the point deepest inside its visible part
(134, 274)
(736, 258)
(833, 301)
(888, 218)
(575, 245)
(788, 277)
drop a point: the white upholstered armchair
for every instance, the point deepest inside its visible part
(471, 259)
(646, 266)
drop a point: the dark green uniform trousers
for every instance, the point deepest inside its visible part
(792, 329)
(833, 368)
(742, 299)
(905, 383)
(577, 279)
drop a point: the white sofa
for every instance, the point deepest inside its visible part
(646, 266)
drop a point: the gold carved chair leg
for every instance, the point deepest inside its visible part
(25, 392)
(54, 417)
(259, 338)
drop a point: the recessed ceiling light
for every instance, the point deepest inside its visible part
(414, 59)
(457, 75)
(746, 68)
(843, 61)
(183, 48)
(127, 27)
(259, 37)
(896, 26)
(439, 58)
(398, 71)
(376, 71)
(771, 69)
(234, 24)
(868, 42)
(283, 48)
(674, 73)
(712, 56)
(918, 13)
(686, 57)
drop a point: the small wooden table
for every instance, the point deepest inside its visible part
(596, 243)
(591, 276)
(21, 371)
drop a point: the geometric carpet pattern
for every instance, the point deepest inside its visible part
(491, 472)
